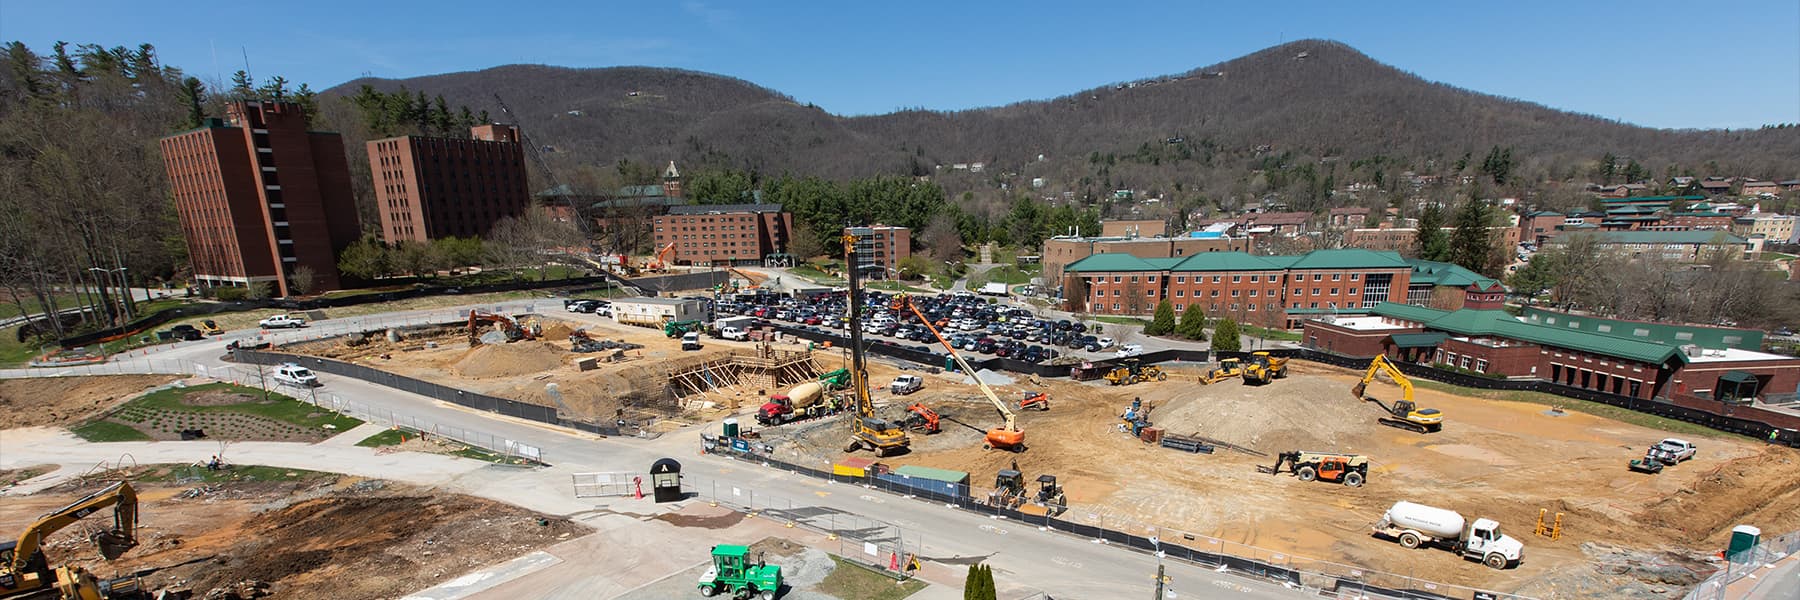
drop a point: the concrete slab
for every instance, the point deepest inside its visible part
(472, 583)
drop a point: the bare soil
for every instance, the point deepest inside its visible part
(341, 538)
(1495, 459)
(52, 401)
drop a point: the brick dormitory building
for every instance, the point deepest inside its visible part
(724, 234)
(260, 198)
(1273, 291)
(428, 188)
(1692, 366)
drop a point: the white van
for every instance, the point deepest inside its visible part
(690, 341)
(296, 375)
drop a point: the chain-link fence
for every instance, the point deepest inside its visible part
(884, 547)
(255, 376)
(1108, 527)
(1719, 585)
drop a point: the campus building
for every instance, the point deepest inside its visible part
(724, 234)
(1677, 246)
(262, 199)
(1690, 365)
(1272, 291)
(1059, 252)
(879, 248)
(429, 188)
(1134, 228)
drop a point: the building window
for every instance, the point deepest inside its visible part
(1150, 293)
(1335, 276)
(1237, 278)
(1334, 291)
(1252, 293)
(1252, 307)
(1234, 307)
(1181, 279)
(1465, 361)
(1134, 279)
(1253, 278)
(1115, 293)
(1151, 279)
(1179, 307)
(1179, 293)
(1216, 279)
(1315, 291)
(1117, 279)
(1355, 276)
(1481, 365)
(1318, 276)
(1215, 293)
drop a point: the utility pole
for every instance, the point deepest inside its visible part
(1159, 581)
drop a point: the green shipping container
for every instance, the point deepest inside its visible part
(944, 475)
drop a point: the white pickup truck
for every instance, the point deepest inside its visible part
(282, 322)
(1674, 450)
(906, 384)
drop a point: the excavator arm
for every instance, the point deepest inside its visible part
(113, 542)
(1381, 365)
(1006, 414)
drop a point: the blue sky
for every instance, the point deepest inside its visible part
(1721, 63)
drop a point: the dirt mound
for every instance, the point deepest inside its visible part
(1762, 490)
(556, 330)
(1273, 418)
(509, 360)
(60, 400)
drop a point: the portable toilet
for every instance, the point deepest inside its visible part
(1744, 539)
(665, 480)
(731, 427)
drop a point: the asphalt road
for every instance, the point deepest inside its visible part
(1061, 565)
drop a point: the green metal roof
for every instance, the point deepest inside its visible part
(1649, 199)
(1225, 261)
(933, 474)
(1499, 323)
(1632, 209)
(1738, 377)
(1661, 333)
(1445, 274)
(1108, 262)
(1349, 258)
(1407, 311)
(1667, 237)
(1419, 340)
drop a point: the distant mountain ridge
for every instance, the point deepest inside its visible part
(1205, 128)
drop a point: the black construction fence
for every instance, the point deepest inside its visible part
(511, 408)
(1172, 549)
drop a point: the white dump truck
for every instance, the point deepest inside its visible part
(799, 403)
(1415, 525)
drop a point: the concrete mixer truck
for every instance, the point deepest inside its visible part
(1415, 525)
(802, 402)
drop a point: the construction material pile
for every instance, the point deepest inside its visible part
(509, 360)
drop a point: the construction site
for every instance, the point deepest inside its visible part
(1638, 535)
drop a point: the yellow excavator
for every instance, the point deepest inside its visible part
(1261, 368)
(25, 573)
(1007, 436)
(867, 431)
(1404, 414)
(1228, 368)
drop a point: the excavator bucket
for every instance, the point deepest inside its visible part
(1358, 390)
(113, 544)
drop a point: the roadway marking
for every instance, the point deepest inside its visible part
(1233, 586)
(873, 499)
(822, 494)
(1063, 562)
(993, 529)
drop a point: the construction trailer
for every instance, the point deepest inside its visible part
(654, 312)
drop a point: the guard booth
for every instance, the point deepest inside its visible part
(665, 480)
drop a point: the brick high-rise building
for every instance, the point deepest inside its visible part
(259, 197)
(428, 188)
(724, 234)
(879, 248)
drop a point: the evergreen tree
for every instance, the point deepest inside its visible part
(1226, 336)
(194, 94)
(1430, 242)
(972, 582)
(1193, 323)
(275, 89)
(1470, 244)
(308, 101)
(242, 86)
(441, 119)
(1163, 321)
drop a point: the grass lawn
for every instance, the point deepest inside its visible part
(1593, 408)
(1770, 255)
(14, 353)
(1120, 320)
(1269, 334)
(108, 431)
(284, 409)
(391, 437)
(817, 276)
(609, 292)
(854, 580)
(12, 307)
(248, 319)
(1007, 274)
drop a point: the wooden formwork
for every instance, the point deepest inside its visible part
(725, 380)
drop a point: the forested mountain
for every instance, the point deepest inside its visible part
(1295, 116)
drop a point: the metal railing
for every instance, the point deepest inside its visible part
(1716, 586)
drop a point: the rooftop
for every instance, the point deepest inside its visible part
(1445, 274)
(1735, 355)
(713, 209)
(1499, 323)
(1664, 237)
(1364, 323)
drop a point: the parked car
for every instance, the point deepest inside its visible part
(1130, 350)
(186, 333)
(906, 384)
(282, 322)
(296, 375)
(1674, 450)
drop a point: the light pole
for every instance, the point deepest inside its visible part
(104, 297)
